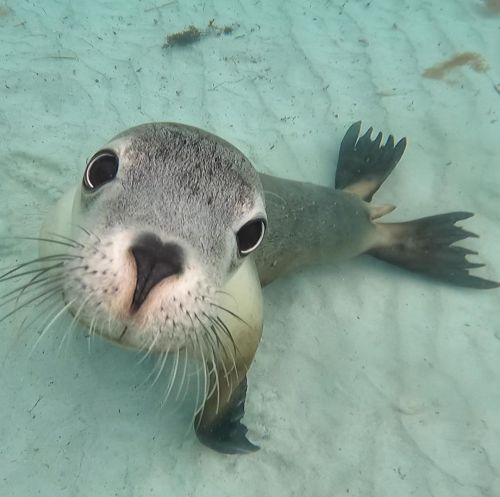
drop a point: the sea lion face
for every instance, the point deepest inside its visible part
(166, 214)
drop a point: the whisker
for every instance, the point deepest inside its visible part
(222, 308)
(49, 292)
(210, 371)
(91, 332)
(219, 323)
(216, 374)
(109, 325)
(215, 345)
(75, 317)
(215, 323)
(37, 286)
(60, 257)
(30, 285)
(49, 311)
(16, 298)
(42, 312)
(67, 238)
(193, 345)
(209, 366)
(222, 292)
(154, 369)
(162, 365)
(173, 374)
(183, 378)
(205, 379)
(31, 271)
(227, 353)
(87, 232)
(147, 353)
(190, 340)
(53, 320)
(48, 240)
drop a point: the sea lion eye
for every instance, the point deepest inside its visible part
(250, 235)
(101, 169)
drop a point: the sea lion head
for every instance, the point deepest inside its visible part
(165, 216)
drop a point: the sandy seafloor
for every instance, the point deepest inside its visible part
(369, 381)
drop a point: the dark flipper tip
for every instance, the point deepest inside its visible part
(227, 438)
(226, 433)
(350, 138)
(363, 163)
(427, 246)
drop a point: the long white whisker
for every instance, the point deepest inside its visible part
(55, 257)
(226, 373)
(48, 240)
(42, 312)
(173, 374)
(67, 238)
(146, 354)
(74, 320)
(91, 333)
(199, 398)
(231, 313)
(52, 321)
(205, 378)
(183, 377)
(219, 324)
(49, 292)
(216, 372)
(15, 297)
(162, 366)
(36, 286)
(87, 232)
(31, 271)
(212, 349)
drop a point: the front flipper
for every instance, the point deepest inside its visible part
(231, 343)
(363, 163)
(226, 433)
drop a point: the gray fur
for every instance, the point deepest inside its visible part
(180, 183)
(310, 224)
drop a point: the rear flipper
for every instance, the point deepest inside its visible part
(425, 246)
(364, 164)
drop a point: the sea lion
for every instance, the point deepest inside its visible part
(165, 244)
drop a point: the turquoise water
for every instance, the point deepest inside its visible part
(369, 381)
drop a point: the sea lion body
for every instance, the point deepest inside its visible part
(162, 249)
(310, 224)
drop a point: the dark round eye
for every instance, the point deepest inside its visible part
(101, 169)
(250, 235)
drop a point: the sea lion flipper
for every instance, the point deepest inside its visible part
(426, 246)
(226, 433)
(363, 163)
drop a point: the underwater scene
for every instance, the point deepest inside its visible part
(250, 248)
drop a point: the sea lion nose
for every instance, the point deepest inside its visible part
(155, 261)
